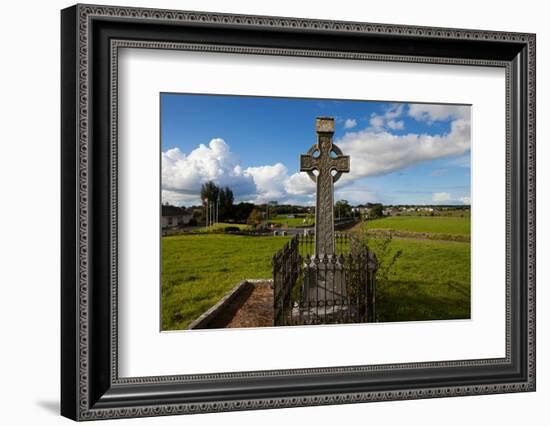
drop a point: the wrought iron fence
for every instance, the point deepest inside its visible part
(310, 289)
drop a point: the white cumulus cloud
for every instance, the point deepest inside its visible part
(388, 118)
(269, 180)
(431, 112)
(350, 123)
(183, 175)
(376, 152)
(300, 184)
(177, 198)
(440, 197)
(396, 125)
(377, 122)
(447, 198)
(394, 111)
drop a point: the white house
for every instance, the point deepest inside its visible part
(173, 216)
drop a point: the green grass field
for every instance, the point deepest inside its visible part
(220, 226)
(429, 281)
(431, 278)
(293, 222)
(197, 270)
(430, 224)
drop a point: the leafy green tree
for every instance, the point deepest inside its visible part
(241, 211)
(210, 192)
(198, 217)
(226, 203)
(255, 217)
(376, 211)
(342, 209)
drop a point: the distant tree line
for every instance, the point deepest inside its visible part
(227, 210)
(286, 208)
(224, 200)
(376, 211)
(342, 209)
(220, 197)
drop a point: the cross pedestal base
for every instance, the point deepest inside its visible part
(324, 290)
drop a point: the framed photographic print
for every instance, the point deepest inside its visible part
(263, 212)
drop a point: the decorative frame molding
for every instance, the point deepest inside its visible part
(91, 37)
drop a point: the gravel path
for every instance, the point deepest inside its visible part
(253, 307)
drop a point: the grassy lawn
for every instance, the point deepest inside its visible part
(197, 270)
(430, 224)
(429, 281)
(293, 222)
(220, 226)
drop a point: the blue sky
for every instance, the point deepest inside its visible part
(401, 153)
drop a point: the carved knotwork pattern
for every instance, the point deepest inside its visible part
(342, 163)
(324, 216)
(306, 162)
(325, 164)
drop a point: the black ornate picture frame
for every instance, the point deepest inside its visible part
(90, 38)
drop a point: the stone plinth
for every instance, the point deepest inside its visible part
(324, 291)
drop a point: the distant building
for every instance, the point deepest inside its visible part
(173, 216)
(390, 211)
(361, 209)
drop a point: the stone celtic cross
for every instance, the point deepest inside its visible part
(328, 161)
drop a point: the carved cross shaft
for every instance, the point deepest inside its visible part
(328, 161)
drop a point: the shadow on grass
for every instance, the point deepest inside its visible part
(422, 301)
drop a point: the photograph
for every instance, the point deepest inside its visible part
(266, 208)
(305, 212)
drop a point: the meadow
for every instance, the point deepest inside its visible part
(429, 224)
(293, 222)
(430, 280)
(220, 227)
(197, 270)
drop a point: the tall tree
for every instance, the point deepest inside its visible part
(342, 209)
(376, 211)
(255, 217)
(210, 192)
(226, 202)
(241, 211)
